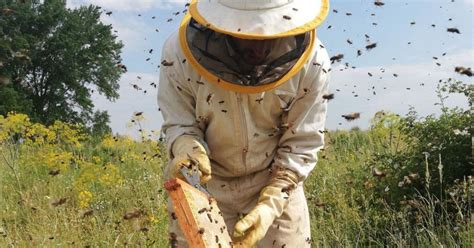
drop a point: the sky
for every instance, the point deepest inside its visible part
(406, 44)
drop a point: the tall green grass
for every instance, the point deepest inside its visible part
(373, 188)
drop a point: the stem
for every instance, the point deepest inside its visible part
(10, 165)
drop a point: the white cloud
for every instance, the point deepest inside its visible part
(468, 2)
(130, 5)
(395, 97)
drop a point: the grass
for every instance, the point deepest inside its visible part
(62, 192)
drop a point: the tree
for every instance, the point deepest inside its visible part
(53, 58)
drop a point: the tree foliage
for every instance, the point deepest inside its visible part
(53, 58)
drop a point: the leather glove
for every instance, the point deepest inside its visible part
(188, 150)
(271, 204)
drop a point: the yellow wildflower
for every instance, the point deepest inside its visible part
(85, 199)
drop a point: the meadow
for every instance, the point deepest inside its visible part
(405, 182)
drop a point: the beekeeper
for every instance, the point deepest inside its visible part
(241, 92)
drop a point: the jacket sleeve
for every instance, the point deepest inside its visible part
(176, 98)
(306, 119)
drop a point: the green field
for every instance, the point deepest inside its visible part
(61, 187)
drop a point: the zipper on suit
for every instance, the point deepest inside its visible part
(244, 139)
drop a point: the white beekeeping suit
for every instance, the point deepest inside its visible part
(255, 129)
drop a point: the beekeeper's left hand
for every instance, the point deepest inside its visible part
(271, 204)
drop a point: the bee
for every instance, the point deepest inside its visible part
(453, 30)
(379, 3)
(136, 87)
(359, 53)
(54, 172)
(132, 215)
(184, 61)
(351, 116)
(337, 58)
(199, 82)
(463, 71)
(138, 113)
(224, 111)
(287, 17)
(201, 230)
(59, 202)
(412, 23)
(179, 88)
(167, 63)
(348, 14)
(209, 98)
(295, 9)
(87, 212)
(371, 46)
(349, 41)
(209, 217)
(169, 20)
(328, 96)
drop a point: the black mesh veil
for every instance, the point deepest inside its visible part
(216, 53)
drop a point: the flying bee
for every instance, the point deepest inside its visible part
(135, 86)
(379, 3)
(463, 71)
(328, 96)
(59, 202)
(453, 30)
(351, 116)
(371, 46)
(132, 215)
(337, 58)
(54, 172)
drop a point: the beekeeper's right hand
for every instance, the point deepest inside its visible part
(185, 149)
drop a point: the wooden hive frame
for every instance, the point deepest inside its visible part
(198, 216)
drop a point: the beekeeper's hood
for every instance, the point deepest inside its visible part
(209, 31)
